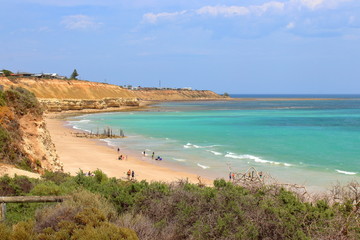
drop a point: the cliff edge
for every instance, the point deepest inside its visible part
(62, 95)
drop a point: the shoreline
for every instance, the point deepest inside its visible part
(91, 154)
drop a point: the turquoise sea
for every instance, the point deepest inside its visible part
(314, 143)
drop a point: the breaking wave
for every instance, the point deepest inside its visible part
(215, 153)
(255, 159)
(345, 172)
(203, 166)
(179, 159)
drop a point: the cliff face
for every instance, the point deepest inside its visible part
(37, 145)
(58, 105)
(60, 95)
(24, 139)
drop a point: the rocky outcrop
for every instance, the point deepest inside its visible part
(59, 105)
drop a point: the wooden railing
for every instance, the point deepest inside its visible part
(27, 199)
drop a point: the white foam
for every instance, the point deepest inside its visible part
(179, 159)
(215, 153)
(77, 128)
(190, 145)
(345, 172)
(255, 159)
(109, 142)
(84, 121)
(203, 166)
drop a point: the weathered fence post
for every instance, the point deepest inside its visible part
(3, 211)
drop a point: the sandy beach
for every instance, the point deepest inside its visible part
(90, 154)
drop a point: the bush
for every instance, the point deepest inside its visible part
(4, 140)
(22, 101)
(47, 189)
(2, 98)
(19, 185)
(56, 177)
(84, 216)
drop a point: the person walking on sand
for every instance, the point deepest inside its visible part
(128, 174)
(153, 154)
(230, 176)
(133, 175)
(118, 150)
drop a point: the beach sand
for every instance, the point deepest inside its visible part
(90, 154)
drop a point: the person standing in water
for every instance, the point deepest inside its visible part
(153, 154)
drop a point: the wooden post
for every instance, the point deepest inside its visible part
(3, 211)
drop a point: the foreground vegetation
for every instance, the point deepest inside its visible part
(107, 208)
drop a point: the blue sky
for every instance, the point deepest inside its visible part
(243, 46)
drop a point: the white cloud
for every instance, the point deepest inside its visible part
(229, 11)
(153, 18)
(79, 22)
(223, 11)
(316, 4)
(270, 7)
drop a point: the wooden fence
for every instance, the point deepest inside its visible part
(27, 199)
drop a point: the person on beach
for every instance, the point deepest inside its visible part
(144, 153)
(133, 175)
(128, 174)
(153, 154)
(118, 150)
(230, 176)
(233, 176)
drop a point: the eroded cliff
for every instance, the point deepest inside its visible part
(61, 95)
(24, 140)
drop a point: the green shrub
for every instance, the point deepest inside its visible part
(5, 231)
(56, 177)
(47, 189)
(4, 140)
(22, 101)
(18, 185)
(2, 98)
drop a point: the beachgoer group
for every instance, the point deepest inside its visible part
(89, 174)
(130, 174)
(231, 176)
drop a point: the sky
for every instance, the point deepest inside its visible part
(233, 46)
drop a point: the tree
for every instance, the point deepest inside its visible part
(226, 95)
(6, 72)
(74, 74)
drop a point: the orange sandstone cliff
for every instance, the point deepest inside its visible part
(62, 95)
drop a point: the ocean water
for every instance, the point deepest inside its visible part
(314, 143)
